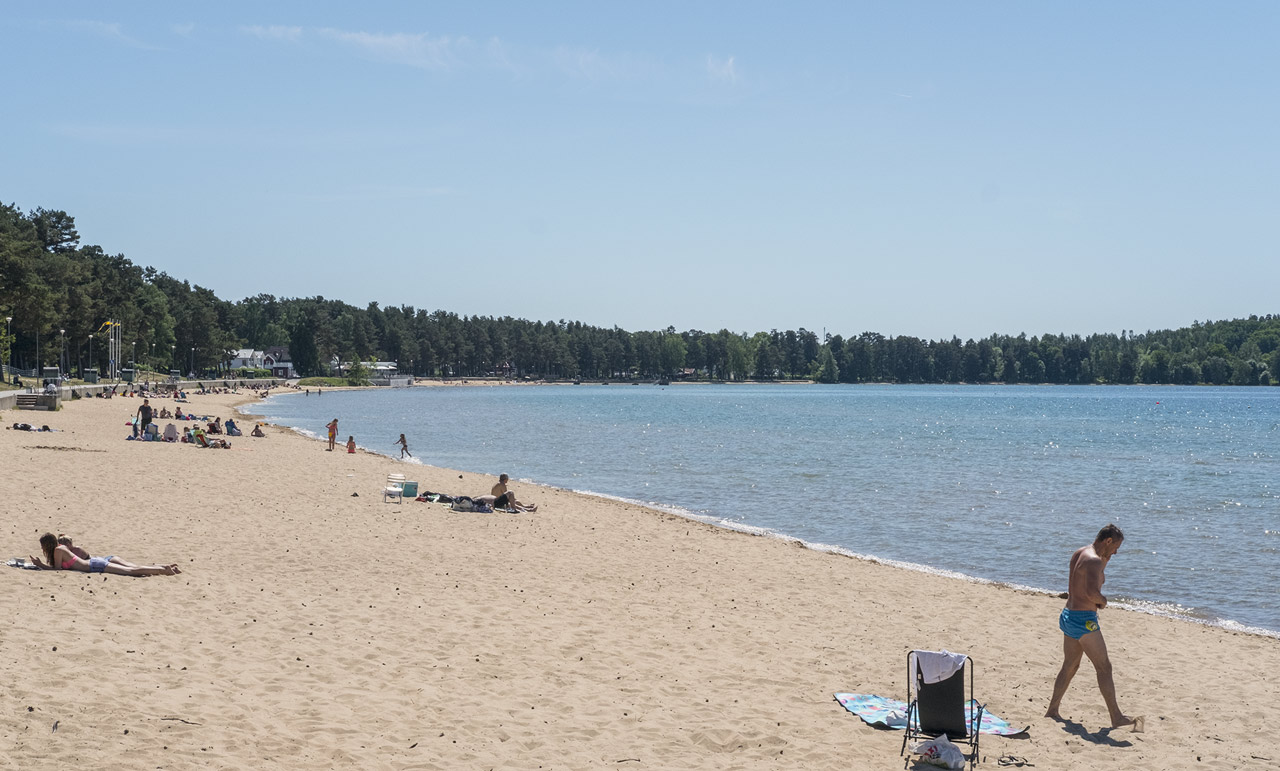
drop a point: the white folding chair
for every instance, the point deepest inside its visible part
(394, 488)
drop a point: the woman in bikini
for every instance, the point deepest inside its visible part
(61, 554)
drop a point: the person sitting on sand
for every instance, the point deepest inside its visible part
(178, 414)
(198, 436)
(351, 445)
(502, 498)
(232, 428)
(65, 556)
(257, 431)
(170, 433)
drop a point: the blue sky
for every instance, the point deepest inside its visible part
(925, 169)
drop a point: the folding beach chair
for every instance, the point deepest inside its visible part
(937, 703)
(394, 488)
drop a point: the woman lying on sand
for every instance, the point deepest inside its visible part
(63, 555)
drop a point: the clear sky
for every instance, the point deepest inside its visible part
(919, 168)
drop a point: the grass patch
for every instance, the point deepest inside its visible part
(331, 382)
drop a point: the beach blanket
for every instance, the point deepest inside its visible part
(878, 711)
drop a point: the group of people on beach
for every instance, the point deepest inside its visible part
(145, 428)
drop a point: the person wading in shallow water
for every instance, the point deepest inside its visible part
(1081, 634)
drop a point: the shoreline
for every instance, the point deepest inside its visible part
(1157, 608)
(314, 627)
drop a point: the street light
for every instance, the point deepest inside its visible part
(8, 347)
(90, 352)
(173, 357)
(193, 361)
(134, 355)
(62, 333)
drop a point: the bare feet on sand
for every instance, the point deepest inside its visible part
(1138, 723)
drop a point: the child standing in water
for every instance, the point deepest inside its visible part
(404, 447)
(351, 445)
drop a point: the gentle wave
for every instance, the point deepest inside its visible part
(862, 472)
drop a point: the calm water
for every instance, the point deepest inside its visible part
(999, 483)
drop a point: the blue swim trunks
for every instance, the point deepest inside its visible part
(1078, 623)
(98, 564)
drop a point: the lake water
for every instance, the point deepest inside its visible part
(992, 482)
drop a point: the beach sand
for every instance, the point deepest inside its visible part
(313, 628)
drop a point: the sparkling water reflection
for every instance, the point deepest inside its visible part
(993, 482)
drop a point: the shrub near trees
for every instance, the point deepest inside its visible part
(48, 281)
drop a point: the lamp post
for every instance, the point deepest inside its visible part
(153, 355)
(8, 347)
(90, 352)
(193, 361)
(133, 356)
(62, 360)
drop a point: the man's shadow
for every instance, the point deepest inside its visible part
(1101, 736)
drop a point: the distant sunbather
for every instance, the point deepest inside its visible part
(60, 554)
(257, 431)
(502, 498)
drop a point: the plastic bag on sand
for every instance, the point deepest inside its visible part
(941, 752)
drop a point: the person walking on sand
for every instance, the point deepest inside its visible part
(1081, 634)
(404, 447)
(143, 414)
(333, 433)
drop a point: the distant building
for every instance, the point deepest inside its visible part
(247, 357)
(278, 361)
(376, 369)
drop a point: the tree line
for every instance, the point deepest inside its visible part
(58, 292)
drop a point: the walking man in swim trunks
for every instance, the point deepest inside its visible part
(333, 433)
(1079, 623)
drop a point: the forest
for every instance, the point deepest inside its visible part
(55, 294)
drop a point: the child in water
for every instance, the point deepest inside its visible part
(404, 447)
(351, 445)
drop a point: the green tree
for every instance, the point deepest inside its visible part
(826, 370)
(358, 374)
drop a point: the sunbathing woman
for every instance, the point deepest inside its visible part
(65, 556)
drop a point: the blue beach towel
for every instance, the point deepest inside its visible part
(879, 712)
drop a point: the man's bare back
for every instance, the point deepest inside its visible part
(1085, 578)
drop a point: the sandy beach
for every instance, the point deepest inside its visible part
(316, 626)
